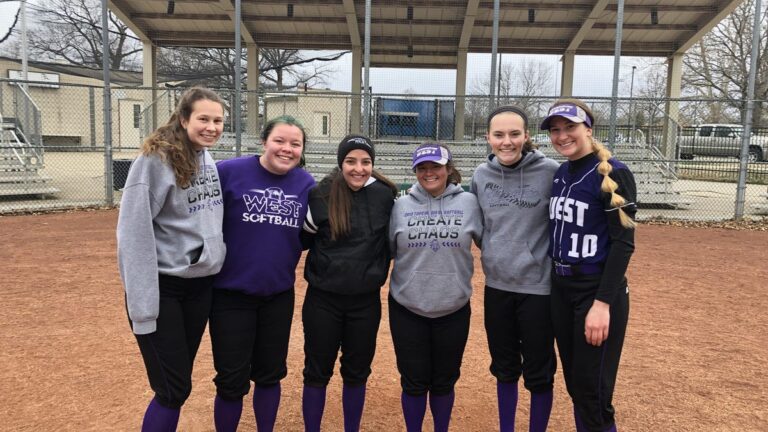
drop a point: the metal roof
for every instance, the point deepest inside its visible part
(121, 77)
(429, 33)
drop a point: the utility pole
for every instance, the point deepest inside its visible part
(24, 55)
(632, 104)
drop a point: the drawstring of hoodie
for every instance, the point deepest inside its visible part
(429, 204)
(205, 167)
(441, 206)
(519, 163)
(502, 177)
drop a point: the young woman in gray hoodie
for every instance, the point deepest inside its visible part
(431, 234)
(170, 246)
(513, 188)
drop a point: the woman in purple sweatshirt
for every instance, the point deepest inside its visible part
(265, 203)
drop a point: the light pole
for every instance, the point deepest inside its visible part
(24, 54)
(632, 103)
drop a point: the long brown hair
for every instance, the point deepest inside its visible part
(339, 201)
(604, 168)
(171, 142)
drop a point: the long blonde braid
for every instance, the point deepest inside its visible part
(609, 185)
(603, 154)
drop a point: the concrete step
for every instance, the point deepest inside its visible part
(7, 168)
(7, 190)
(23, 177)
(665, 200)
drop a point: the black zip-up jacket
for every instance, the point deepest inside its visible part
(359, 262)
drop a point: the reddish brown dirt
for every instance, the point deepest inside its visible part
(692, 362)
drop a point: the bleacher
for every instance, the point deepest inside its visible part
(20, 164)
(654, 177)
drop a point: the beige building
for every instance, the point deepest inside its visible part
(324, 113)
(70, 102)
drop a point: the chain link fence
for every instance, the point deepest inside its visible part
(53, 154)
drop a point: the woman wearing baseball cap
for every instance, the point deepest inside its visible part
(592, 238)
(431, 234)
(513, 188)
(347, 263)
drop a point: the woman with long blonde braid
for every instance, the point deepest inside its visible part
(592, 233)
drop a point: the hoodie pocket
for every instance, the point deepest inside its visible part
(210, 259)
(511, 262)
(433, 293)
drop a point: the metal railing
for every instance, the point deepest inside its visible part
(148, 114)
(29, 125)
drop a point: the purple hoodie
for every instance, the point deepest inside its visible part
(263, 217)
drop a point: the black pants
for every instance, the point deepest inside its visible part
(428, 350)
(589, 371)
(169, 352)
(249, 338)
(520, 338)
(333, 321)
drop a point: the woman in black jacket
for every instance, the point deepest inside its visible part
(347, 264)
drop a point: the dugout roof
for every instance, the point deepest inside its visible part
(429, 33)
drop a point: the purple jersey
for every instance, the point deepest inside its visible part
(578, 210)
(263, 217)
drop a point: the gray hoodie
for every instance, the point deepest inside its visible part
(164, 228)
(515, 206)
(431, 241)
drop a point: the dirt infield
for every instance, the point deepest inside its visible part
(693, 360)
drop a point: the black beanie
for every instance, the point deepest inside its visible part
(354, 142)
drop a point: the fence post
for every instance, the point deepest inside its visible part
(92, 114)
(741, 188)
(108, 179)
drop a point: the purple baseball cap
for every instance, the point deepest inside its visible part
(568, 111)
(431, 152)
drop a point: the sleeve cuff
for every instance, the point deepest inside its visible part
(144, 327)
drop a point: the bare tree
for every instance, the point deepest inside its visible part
(522, 83)
(215, 67)
(718, 67)
(70, 30)
(275, 64)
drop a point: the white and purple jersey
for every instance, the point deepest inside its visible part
(579, 212)
(263, 216)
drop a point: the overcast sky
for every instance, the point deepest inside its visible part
(593, 75)
(7, 12)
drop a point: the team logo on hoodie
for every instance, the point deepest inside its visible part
(525, 197)
(424, 228)
(204, 190)
(272, 206)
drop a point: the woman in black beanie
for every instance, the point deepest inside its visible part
(347, 263)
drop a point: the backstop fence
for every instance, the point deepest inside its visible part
(53, 153)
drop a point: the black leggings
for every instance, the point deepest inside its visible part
(249, 337)
(589, 371)
(333, 321)
(169, 352)
(429, 351)
(520, 338)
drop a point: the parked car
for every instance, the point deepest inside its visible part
(721, 140)
(541, 139)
